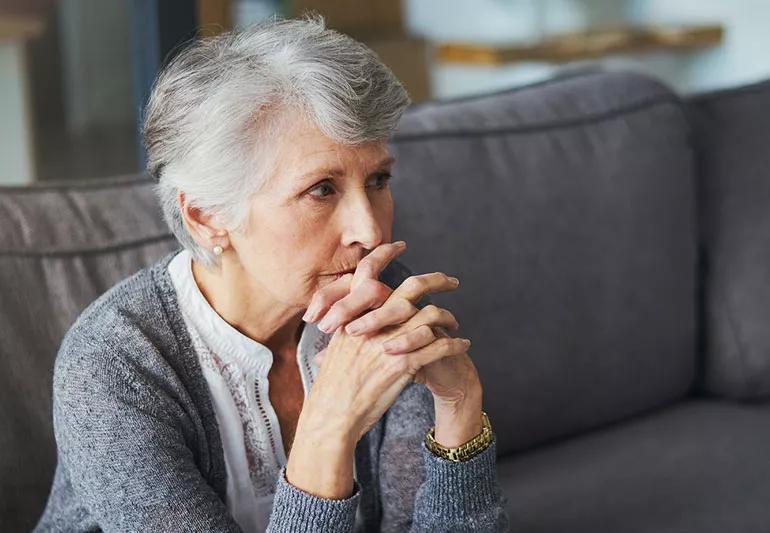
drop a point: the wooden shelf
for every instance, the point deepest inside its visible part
(586, 45)
(19, 27)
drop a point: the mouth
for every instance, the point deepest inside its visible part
(338, 275)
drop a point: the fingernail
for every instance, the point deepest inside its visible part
(454, 280)
(324, 325)
(467, 342)
(400, 244)
(310, 314)
(388, 347)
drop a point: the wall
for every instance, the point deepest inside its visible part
(741, 59)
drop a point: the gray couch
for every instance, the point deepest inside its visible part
(613, 243)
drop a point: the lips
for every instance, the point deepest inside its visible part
(334, 276)
(338, 275)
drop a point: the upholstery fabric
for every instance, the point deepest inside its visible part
(61, 247)
(697, 467)
(567, 211)
(731, 128)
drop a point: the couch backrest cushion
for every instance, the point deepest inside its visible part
(60, 247)
(567, 211)
(731, 131)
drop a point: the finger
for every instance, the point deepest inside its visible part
(400, 306)
(375, 262)
(393, 311)
(415, 287)
(327, 296)
(439, 331)
(438, 349)
(430, 319)
(434, 316)
(409, 341)
(370, 294)
(410, 364)
(371, 265)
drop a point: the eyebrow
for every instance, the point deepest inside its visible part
(335, 171)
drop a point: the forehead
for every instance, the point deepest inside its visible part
(301, 146)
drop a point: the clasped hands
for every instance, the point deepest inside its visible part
(381, 328)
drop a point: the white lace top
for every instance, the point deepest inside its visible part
(236, 367)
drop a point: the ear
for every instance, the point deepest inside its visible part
(203, 227)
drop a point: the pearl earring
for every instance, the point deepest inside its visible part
(218, 250)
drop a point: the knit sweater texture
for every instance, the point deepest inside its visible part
(139, 448)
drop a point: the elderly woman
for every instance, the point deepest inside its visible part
(275, 372)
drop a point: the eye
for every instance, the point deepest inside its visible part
(382, 180)
(324, 187)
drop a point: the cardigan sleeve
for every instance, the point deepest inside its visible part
(124, 451)
(297, 511)
(423, 492)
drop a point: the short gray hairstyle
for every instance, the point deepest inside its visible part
(214, 108)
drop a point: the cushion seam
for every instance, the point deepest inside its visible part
(79, 185)
(586, 119)
(54, 253)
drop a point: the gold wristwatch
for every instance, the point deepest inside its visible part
(465, 451)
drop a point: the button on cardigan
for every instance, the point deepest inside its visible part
(139, 447)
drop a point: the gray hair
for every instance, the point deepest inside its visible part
(216, 105)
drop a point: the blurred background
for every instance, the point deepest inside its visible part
(74, 74)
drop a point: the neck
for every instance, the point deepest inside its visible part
(248, 308)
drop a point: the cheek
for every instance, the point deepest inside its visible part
(303, 244)
(384, 210)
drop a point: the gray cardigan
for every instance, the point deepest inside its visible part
(139, 447)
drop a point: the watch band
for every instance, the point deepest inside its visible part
(465, 451)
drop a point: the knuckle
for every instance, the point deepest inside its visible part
(432, 312)
(342, 306)
(405, 308)
(424, 331)
(323, 302)
(377, 290)
(402, 364)
(394, 342)
(321, 299)
(460, 345)
(414, 283)
(383, 291)
(448, 343)
(366, 265)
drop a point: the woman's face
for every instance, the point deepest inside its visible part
(323, 207)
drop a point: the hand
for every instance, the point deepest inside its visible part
(352, 294)
(331, 425)
(346, 298)
(453, 381)
(450, 381)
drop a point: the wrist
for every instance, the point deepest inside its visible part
(459, 421)
(321, 463)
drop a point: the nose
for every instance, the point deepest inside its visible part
(360, 223)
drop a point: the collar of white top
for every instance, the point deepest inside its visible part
(220, 336)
